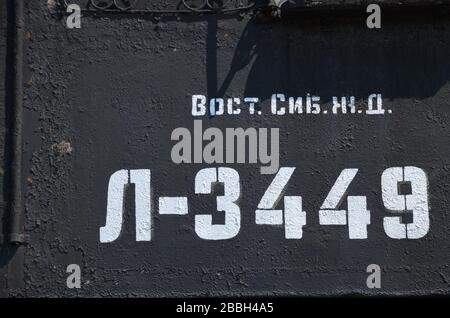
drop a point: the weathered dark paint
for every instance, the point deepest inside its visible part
(117, 88)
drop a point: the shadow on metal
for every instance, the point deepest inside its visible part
(331, 55)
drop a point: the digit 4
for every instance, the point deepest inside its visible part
(294, 217)
(357, 217)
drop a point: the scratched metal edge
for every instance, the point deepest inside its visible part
(3, 54)
(304, 8)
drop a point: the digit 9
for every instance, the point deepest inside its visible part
(416, 202)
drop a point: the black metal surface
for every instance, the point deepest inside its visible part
(107, 97)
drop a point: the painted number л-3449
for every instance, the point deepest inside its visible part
(293, 217)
